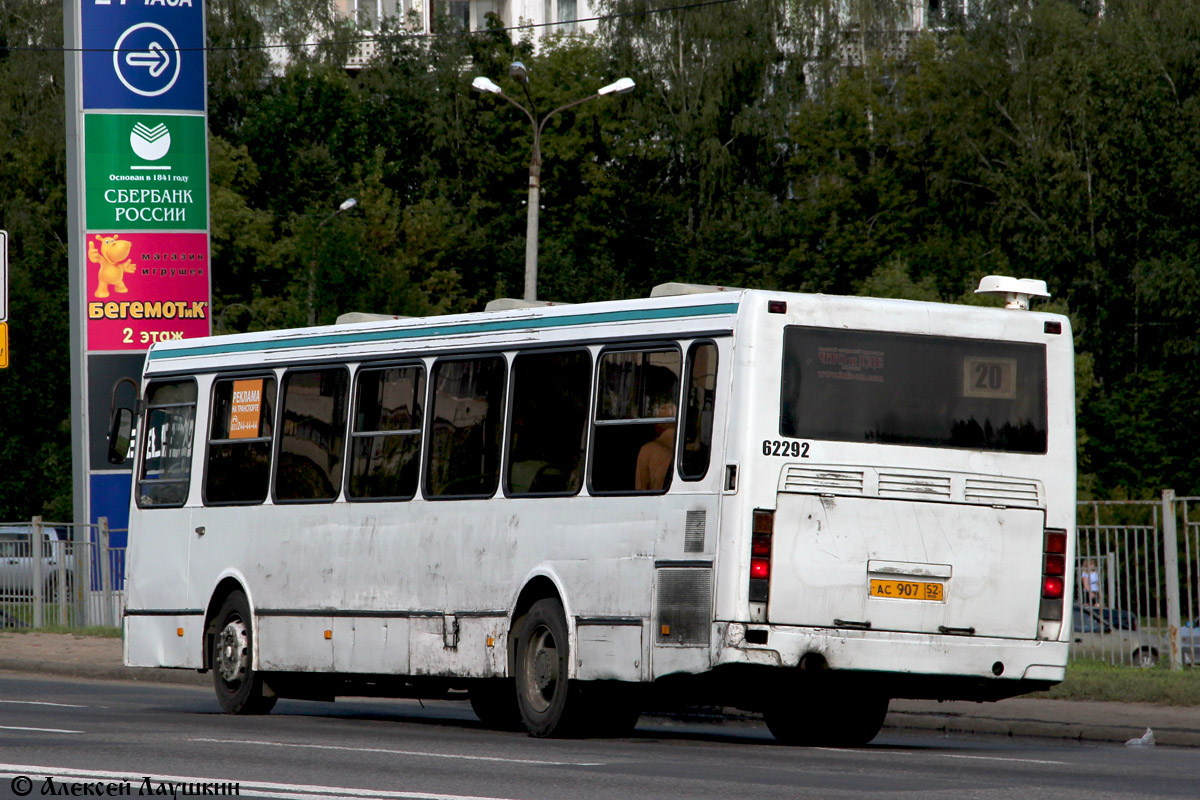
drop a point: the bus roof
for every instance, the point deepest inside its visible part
(693, 313)
(689, 313)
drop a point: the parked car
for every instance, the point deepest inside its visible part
(1093, 637)
(1118, 618)
(16, 563)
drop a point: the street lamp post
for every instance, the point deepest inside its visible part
(521, 75)
(346, 205)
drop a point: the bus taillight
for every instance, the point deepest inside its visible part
(1054, 570)
(762, 527)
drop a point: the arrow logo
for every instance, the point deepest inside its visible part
(155, 58)
(146, 59)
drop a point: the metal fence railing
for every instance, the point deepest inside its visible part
(1136, 581)
(59, 574)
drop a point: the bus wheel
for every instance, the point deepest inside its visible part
(495, 703)
(239, 687)
(548, 701)
(1145, 658)
(831, 719)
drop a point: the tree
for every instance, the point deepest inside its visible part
(35, 452)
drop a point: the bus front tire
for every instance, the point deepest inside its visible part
(239, 687)
(549, 702)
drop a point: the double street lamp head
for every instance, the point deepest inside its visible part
(520, 74)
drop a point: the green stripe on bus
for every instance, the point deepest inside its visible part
(363, 337)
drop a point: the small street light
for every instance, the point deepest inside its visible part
(346, 205)
(520, 74)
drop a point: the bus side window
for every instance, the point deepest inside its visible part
(637, 399)
(167, 444)
(698, 411)
(312, 435)
(548, 432)
(239, 443)
(385, 445)
(463, 456)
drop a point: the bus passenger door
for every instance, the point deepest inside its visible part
(160, 533)
(685, 548)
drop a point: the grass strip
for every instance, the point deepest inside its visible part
(1096, 680)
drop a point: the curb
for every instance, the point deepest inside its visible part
(1017, 726)
(105, 673)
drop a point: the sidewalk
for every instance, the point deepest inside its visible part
(64, 655)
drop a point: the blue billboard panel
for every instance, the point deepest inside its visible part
(143, 54)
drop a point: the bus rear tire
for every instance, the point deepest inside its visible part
(239, 687)
(827, 718)
(549, 702)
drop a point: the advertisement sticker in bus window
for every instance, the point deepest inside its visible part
(246, 409)
(850, 364)
(990, 378)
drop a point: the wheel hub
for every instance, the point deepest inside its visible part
(233, 651)
(543, 669)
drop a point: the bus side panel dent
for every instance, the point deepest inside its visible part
(154, 641)
(1045, 672)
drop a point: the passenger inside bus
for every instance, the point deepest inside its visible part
(654, 459)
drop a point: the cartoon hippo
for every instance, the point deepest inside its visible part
(112, 258)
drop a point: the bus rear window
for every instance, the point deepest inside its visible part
(928, 391)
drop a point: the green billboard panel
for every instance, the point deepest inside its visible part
(145, 172)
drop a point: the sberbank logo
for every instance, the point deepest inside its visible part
(150, 144)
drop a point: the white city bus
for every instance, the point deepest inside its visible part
(803, 505)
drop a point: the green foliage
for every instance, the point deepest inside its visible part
(35, 450)
(778, 144)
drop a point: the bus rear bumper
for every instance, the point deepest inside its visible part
(914, 660)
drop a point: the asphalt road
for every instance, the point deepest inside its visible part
(138, 737)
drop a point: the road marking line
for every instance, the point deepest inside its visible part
(1002, 758)
(422, 753)
(40, 703)
(39, 730)
(944, 755)
(247, 788)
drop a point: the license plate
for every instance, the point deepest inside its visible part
(907, 590)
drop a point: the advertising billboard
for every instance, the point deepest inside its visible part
(146, 287)
(145, 171)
